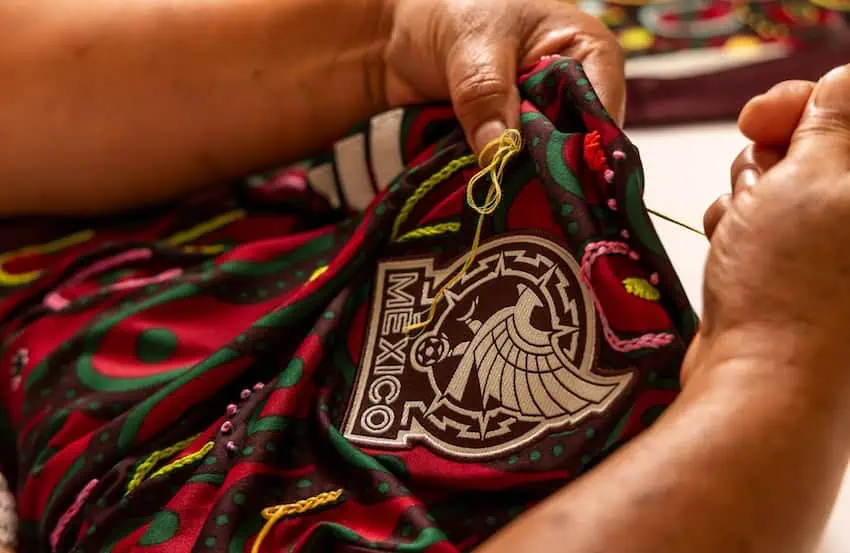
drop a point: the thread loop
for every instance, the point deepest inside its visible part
(499, 151)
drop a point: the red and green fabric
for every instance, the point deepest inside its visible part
(169, 374)
(694, 60)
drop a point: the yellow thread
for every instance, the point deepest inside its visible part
(9, 279)
(450, 169)
(276, 513)
(209, 249)
(184, 461)
(317, 273)
(151, 460)
(206, 227)
(425, 232)
(506, 147)
(641, 288)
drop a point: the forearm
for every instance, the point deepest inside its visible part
(8, 518)
(107, 104)
(748, 459)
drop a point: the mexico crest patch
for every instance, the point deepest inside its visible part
(508, 359)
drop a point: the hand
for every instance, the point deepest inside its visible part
(776, 284)
(470, 51)
(769, 121)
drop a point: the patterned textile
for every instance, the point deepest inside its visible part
(691, 60)
(237, 374)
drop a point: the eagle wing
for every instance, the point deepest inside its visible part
(517, 365)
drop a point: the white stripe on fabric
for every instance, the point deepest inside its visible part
(324, 182)
(353, 171)
(385, 146)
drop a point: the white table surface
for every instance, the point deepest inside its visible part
(686, 168)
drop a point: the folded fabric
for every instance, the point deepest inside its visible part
(240, 374)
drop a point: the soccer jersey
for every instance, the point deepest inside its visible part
(238, 372)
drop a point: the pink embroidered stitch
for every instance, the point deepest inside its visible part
(97, 267)
(55, 301)
(650, 340)
(140, 282)
(72, 511)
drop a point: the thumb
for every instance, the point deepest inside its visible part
(823, 134)
(482, 84)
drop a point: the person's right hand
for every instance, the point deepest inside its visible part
(769, 121)
(777, 283)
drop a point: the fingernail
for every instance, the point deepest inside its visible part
(833, 90)
(747, 178)
(486, 133)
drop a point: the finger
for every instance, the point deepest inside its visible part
(753, 161)
(772, 117)
(715, 213)
(605, 68)
(821, 142)
(589, 41)
(482, 83)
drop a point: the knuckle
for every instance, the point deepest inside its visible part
(603, 37)
(474, 88)
(826, 123)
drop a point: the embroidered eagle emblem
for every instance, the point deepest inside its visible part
(509, 357)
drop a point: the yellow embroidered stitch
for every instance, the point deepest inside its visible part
(641, 288)
(425, 232)
(450, 169)
(506, 147)
(184, 461)
(185, 236)
(9, 279)
(151, 460)
(317, 273)
(278, 512)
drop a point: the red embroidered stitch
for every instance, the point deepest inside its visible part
(593, 154)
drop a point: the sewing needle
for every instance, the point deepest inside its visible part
(674, 221)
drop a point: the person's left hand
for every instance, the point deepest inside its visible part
(470, 51)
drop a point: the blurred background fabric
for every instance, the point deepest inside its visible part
(700, 60)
